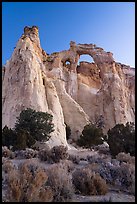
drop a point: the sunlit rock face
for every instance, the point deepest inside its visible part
(74, 94)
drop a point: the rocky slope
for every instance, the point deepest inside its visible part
(73, 94)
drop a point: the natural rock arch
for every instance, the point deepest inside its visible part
(103, 60)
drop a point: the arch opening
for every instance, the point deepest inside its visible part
(85, 58)
(87, 66)
(66, 63)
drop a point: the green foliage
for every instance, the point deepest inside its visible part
(16, 139)
(37, 124)
(31, 126)
(8, 137)
(121, 138)
(91, 135)
(23, 140)
(68, 131)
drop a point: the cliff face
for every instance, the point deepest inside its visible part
(73, 94)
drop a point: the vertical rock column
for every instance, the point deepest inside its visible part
(25, 85)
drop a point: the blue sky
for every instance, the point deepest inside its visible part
(110, 25)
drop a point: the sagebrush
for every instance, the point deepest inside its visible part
(27, 183)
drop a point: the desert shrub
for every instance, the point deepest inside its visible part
(126, 177)
(7, 166)
(109, 172)
(74, 158)
(123, 157)
(91, 135)
(94, 167)
(58, 153)
(68, 132)
(44, 154)
(27, 184)
(69, 165)
(121, 138)
(87, 182)
(38, 124)
(28, 153)
(94, 158)
(7, 153)
(3, 159)
(122, 175)
(102, 149)
(53, 155)
(60, 182)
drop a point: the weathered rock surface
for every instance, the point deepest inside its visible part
(26, 85)
(73, 94)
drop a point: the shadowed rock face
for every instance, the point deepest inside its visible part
(73, 94)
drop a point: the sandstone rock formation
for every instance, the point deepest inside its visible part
(73, 94)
